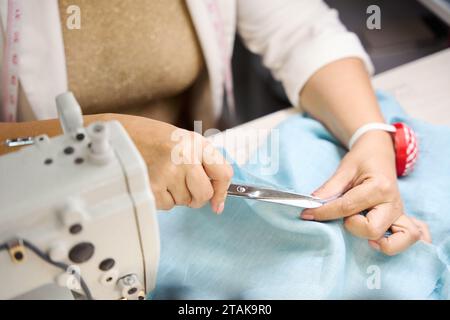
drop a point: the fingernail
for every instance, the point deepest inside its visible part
(306, 216)
(220, 208)
(374, 245)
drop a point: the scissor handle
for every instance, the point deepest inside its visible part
(387, 234)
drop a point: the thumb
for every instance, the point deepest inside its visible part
(338, 184)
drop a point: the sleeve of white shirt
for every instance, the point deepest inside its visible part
(296, 38)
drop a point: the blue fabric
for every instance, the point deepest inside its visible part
(257, 250)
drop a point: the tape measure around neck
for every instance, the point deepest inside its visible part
(10, 72)
(219, 29)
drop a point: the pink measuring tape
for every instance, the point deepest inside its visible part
(10, 74)
(218, 24)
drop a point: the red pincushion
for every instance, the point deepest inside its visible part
(406, 149)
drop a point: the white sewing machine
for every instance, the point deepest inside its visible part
(77, 211)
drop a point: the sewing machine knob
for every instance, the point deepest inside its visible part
(81, 252)
(107, 264)
(75, 228)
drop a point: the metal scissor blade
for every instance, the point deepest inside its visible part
(300, 203)
(285, 198)
(274, 196)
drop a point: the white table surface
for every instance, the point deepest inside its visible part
(422, 87)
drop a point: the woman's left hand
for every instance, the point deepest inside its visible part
(367, 180)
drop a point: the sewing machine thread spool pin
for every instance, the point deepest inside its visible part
(100, 151)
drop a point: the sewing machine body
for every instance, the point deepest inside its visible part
(85, 202)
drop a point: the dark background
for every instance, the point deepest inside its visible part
(408, 32)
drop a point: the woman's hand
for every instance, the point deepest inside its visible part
(340, 95)
(367, 179)
(184, 168)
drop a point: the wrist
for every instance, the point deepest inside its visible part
(368, 127)
(375, 150)
(376, 142)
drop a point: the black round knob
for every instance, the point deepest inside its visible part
(81, 252)
(75, 228)
(79, 160)
(132, 291)
(69, 150)
(107, 264)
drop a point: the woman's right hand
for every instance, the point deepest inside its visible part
(184, 168)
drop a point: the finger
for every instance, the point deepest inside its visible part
(405, 234)
(425, 234)
(199, 186)
(180, 192)
(164, 200)
(374, 225)
(356, 200)
(337, 184)
(220, 173)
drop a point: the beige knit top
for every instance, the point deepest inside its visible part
(132, 56)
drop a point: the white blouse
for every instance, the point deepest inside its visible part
(294, 37)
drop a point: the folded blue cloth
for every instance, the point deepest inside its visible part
(258, 250)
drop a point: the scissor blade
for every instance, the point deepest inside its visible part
(274, 196)
(300, 203)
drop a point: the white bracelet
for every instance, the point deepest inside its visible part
(369, 127)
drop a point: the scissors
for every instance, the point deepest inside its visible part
(283, 197)
(275, 196)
